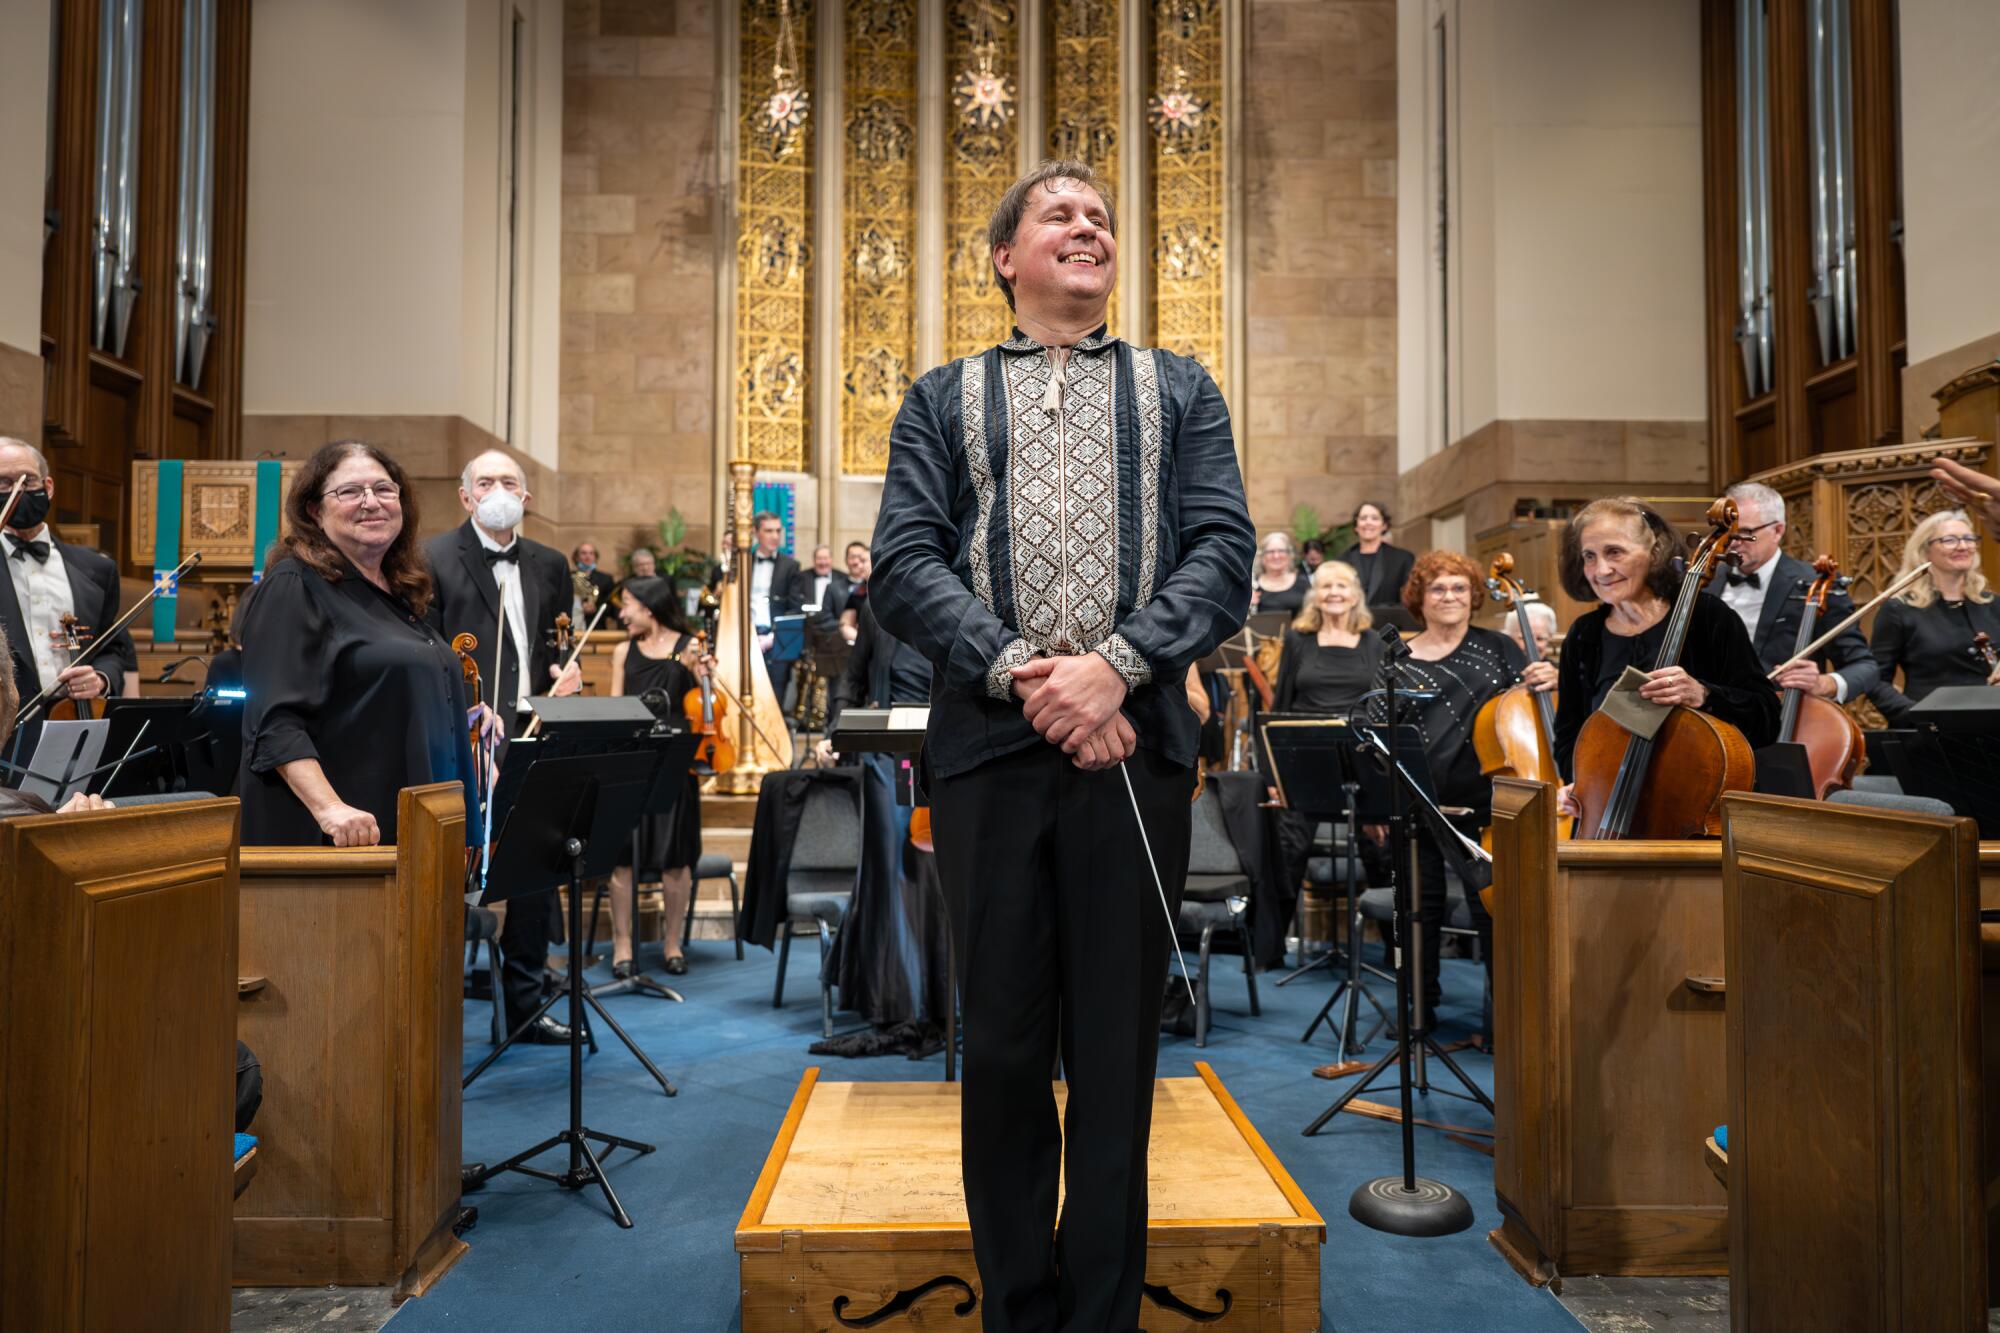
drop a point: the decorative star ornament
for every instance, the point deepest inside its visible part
(1175, 112)
(785, 110)
(982, 95)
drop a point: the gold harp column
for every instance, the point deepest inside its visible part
(1188, 119)
(982, 152)
(879, 229)
(1085, 98)
(776, 127)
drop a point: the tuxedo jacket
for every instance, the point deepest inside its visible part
(1785, 582)
(784, 584)
(468, 602)
(1382, 585)
(599, 580)
(93, 591)
(835, 601)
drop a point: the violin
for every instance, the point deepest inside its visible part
(69, 642)
(1835, 747)
(1983, 649)
(714, 752)
(465, 645)
(1514, 732)
(561, 636)
(1668, 786)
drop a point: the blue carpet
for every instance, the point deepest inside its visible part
(543, 1257)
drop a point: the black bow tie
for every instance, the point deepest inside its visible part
(1738, 580)
(512, 553)
(767, 559)
(39, 550)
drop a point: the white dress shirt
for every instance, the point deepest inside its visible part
(820, 581)
(1748, 603)
(507, 573)
(42, 590)
(762, 567)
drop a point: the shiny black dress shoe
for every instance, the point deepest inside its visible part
(623, 971)
(676, 966)
(546, 1031)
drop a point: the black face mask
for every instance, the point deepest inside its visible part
(30, 510)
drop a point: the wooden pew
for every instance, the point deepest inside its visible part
(1856, 1163)
(1608, 1062)
(357, 1027)
(117, 1052)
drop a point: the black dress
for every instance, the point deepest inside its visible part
(673, 840)
(1316, 679)
(1383, 572)
(1289, 600)
(1718, 653)
(347, 674)
(1932, 645)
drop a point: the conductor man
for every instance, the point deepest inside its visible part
(1062, 532)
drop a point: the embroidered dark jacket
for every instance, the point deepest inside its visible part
(1115, 523)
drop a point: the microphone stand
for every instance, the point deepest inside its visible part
(1405, 1204)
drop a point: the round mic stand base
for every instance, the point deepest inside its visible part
(1431, 1209)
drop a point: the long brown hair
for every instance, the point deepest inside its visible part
(306, 541)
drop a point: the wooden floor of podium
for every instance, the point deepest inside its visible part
(858, 1218)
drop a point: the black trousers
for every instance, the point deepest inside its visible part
(1062, 944)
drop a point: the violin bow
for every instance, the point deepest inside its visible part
(575, 651)
(1805, 654)
(14, 494)
(30, 709)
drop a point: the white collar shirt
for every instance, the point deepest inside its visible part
(762, 569)
(507, 573)
(41, 589)
(820, 582)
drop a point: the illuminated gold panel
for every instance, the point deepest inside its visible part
(1084, 86)
(879, 228)
(1189, 248)
(981, 154)
(774, 185)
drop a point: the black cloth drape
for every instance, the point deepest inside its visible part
(781, 803)
(889, 961)
(1256, 839)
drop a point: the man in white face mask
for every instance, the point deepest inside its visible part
(506, 591)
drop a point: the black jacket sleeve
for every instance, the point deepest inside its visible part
(851, 686)
(1582, 649)
(1889, 647)
(1728, 666)
(1286, 688)
(1849, 654)
(284, 673)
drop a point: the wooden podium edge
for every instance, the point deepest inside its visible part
(1280, 1177)
(752, 1223)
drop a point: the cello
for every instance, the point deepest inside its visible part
(1835, 747)
(1515, 730)
(1668, 785)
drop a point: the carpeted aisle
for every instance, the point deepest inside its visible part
(546, 1258)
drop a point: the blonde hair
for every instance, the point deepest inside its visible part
(1925, 591)
(1309, 618)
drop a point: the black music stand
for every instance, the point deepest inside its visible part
(1952, 754)
(191, 744)
(1318, 775)
(572, 800)
(899, 732)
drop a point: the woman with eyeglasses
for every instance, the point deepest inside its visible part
(1278, 586)
(1927, 629)
(354, 691)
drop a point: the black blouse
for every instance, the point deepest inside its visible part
(349, 675)
(1289, 600)
(1932, 645)
(1315, 679)
(1486, 663)
(1718, 653)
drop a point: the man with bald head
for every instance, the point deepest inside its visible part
(47, 579)
(479, 569)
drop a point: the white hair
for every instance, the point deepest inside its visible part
(465, 473)
(1758, 496)
(41, 459)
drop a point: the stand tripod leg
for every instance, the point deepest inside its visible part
(1361, 1085)
(630, 1045)
(548, 1003)
(1477, 1093)
(603, 1182)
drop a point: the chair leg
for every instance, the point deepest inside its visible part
(825, 990)
(784, 956)
(1249, 965)
(735, 914)
(1201, 989)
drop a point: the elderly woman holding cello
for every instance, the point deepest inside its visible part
(1692, 650)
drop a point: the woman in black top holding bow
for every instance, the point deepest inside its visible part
(354, 693)
(1927, 630)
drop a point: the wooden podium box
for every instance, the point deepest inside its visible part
(357, 1025)
(1857, 1189)
(1608, 1066)
(858, 1219)
(117, 1061)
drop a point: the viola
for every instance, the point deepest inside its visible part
(1671, 784)
(69, 642)
(561, 636)
(465, 645)
(713, 752)
(1835, 747)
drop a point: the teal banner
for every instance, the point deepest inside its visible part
(270, 498)
(166, 550)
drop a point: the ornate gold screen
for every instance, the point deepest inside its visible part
(774, 184)
(1084, 88)
(982, 152)
(1184, 117)
(879, 228)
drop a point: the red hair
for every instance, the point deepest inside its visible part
(1428, 567)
